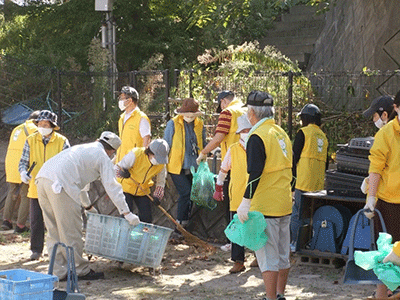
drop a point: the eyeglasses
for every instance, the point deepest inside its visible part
(195, 148)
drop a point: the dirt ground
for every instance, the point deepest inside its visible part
(187, 273)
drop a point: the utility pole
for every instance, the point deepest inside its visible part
(108, 40)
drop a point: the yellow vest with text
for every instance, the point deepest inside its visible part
(177, 151)
(312, 162)
(129, 133)
(273, 196)
(142, 172)
(14, 150)
(239, 176)
(236, 109)
(41, 153)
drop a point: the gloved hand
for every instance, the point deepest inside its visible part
(364, 185)
(122, 173)
(218, 194)
(25, 177)
(92, 209)
(201, 158)
(370, 204)
(159, 192)
(132, 219)
(393, 258)
(243, 210)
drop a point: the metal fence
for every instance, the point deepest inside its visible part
(86, 105)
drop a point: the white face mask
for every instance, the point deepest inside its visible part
(153, 161)
(45, 131)
(379, 123)
(189, 119)
(121, 105)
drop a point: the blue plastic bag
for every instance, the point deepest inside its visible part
(250, 234)
(203, 186)
(388, 273)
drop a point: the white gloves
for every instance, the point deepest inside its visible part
(370, 204)
(159, 192)
(393, 258)
(201, 158)
(25, 177)
(243, 210)
(132, 219)
(364, 185)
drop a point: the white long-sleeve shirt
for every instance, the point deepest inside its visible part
(76, 167)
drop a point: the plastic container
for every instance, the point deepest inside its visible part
(250, 234)
(20, 284)
(113, 238)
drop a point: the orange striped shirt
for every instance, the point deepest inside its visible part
(224, 122)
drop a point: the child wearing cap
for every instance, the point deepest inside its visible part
(235, 161)
(143, 163)
(39, 147)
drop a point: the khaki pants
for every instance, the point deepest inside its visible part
(10, 206)
(63, 219)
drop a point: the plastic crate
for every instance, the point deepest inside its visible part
(113, 238)
(20, 284)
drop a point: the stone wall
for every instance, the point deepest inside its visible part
(358, 34)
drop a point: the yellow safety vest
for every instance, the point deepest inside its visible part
(311, 165)
(239, 176)
(41, 153)
(273, 196)
(236, 109)
(177, 151)
(143, 172)
(129, 133)
(14, 150)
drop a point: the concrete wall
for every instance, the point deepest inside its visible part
(357, 34)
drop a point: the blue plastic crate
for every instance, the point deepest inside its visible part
(20, 284)
(113, 238)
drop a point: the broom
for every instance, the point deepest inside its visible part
(190, 238)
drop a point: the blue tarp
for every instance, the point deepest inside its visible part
(16, 114)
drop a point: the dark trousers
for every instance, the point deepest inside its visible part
(226, 202)
(37, 227)
(143, 204)
(183, 184)
(237, 252)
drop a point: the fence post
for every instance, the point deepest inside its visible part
(167, 87)
(60, 120)
(190, 83)
(176, 77)
(290, 103)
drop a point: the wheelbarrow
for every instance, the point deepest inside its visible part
(72, 292)
(353, 273)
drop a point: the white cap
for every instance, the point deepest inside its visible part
(160, 149)
(243, 123)
(111, 138)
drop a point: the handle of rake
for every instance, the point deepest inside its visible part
(16, 192)
(188, 236)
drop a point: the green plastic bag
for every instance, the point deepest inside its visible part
(388, 273)
(250, 234)
(203, 186)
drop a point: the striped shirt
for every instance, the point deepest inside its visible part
(224, 122)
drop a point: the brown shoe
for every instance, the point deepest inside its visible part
(254, 263)
(237, 267)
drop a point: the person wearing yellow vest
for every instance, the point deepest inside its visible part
(186, 136)
(310, 160)
(235, 161)
(143, 164)
(269, 164)
(133, 125)
(17, 189)
(384, 183)
(39, 147)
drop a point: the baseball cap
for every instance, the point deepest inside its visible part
(130, 91)
(221, 96)
(111, 138)
(160, 149)
(258, 98)
(380, 104)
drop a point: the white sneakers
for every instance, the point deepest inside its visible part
(226, 247)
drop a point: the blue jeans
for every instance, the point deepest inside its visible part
(183, 184)
(296, 222)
